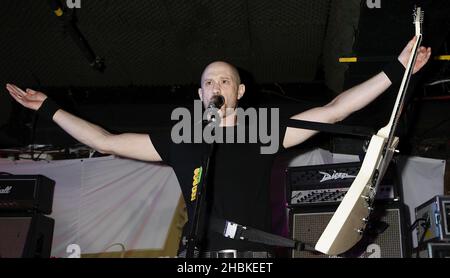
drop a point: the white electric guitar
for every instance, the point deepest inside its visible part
(347, 225)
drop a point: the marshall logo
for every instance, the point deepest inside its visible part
(335, 176)
(5, 190)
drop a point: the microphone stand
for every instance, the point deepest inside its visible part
(200, 203)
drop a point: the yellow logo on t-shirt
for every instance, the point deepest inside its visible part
(196, 180)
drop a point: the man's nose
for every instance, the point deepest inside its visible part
(216, 88)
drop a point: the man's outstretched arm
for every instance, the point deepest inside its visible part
(352, 99)
(131, 145)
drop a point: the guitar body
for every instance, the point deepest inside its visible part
(352, 217)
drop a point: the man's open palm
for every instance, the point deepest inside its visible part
(29, 99)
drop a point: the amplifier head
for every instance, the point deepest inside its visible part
(26, 193)
(327, 184)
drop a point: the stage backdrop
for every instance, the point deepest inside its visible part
(107, 204)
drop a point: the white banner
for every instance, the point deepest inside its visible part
(102, 201)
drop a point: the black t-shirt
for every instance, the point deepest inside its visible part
(238, 183)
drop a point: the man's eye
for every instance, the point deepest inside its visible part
(225, 81)
(208, 83)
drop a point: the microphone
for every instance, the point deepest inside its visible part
(216, 102)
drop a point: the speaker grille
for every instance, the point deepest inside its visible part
(26, 236)
(13, 236)
(384, 239)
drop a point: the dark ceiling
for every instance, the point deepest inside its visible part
(162, 42)
(168, 42)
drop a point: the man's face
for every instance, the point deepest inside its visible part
(220, 78)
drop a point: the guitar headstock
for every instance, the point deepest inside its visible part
(418, 20)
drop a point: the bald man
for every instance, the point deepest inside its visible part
(239, 180)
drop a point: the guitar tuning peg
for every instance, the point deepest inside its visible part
(365, 220)
(360, 231)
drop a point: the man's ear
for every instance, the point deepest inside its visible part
(200, 93)
(241, 91)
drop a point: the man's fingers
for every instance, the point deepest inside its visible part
(426, 53)
(13, 95)
(16, 90)
(20, 91)
(423, 52)
(18, 99)
(422, 58)
(12, 91)
(16, 96)
(10, 88)
(411, 43)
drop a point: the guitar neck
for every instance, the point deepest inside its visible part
(389, 130)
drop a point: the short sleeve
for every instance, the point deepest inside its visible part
(161, 140)
(283, 124)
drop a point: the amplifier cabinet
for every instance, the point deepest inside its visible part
(25, 236)
(386, 235)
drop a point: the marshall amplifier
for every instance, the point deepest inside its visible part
(32, 193)
(327, 184)
(25, 236)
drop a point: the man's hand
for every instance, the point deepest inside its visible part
(30, 99)
(423, 55)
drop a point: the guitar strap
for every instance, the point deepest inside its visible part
(236, 231)
(332, 128)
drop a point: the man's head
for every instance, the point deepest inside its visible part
(221, 78)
